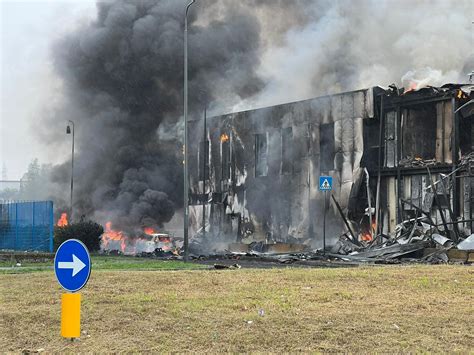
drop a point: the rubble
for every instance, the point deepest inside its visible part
(467, 244)
(223, 266)
(417, 162)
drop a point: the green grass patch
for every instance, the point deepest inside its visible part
(101, 262)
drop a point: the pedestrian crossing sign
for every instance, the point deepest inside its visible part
(325, 183)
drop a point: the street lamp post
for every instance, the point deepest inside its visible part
(68, 131)
(186, 197)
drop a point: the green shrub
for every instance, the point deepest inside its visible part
(87, 232)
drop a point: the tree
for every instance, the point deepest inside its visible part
(35, 181)
(87, 232)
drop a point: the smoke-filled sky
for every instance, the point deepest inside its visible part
(116, 69)
(309, 47)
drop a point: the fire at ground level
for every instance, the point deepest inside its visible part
(401, 163)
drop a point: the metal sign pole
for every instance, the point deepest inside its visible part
(324, 222)
(325, 185)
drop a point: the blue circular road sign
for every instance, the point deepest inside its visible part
(72, 265)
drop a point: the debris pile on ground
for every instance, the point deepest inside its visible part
(417, 162)
(417, 240)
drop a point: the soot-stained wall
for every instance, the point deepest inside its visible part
(262, 168)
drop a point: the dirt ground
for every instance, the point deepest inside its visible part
(364, 309)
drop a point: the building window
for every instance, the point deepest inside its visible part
(308, 138)
(225, 146)
(287, 150)
(326, 146)
(203, 166)
(261, 152)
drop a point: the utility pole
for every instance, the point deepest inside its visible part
(68, 131)
(204, 167)
(186, 179)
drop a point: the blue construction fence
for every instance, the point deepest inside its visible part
(26, 226)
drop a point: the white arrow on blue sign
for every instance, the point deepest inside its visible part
(72, 265)
(325, 183)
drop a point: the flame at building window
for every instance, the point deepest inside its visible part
(224, 137)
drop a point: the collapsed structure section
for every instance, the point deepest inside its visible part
(393, 155)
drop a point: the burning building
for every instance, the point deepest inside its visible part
(394, 155)
(255, 172)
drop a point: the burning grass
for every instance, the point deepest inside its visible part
(383, 309)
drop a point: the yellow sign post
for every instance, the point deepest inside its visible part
(72, 266)
(71, 315)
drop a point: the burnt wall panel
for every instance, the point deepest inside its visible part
(448, 121)
(302, 140)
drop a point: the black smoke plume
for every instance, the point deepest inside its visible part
(122, 78)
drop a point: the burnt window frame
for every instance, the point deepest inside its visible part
(287, 151)
(203, 169)
(326, 138)
(261, 156)
(226, 164)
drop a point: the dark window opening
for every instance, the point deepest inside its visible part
(466, 134)
(326, 146)
(203, 160)
(390, 140)
(370, 158)
(287, 151)
(419, 132)
(261, 166)
(225, 160)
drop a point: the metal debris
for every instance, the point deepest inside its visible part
(467, 244)
(222, 266)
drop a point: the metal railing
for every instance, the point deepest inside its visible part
(26, 225)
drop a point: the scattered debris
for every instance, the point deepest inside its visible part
(222, 266)
(467, 244)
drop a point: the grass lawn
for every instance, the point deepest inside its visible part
(100, 262)
(365, 309)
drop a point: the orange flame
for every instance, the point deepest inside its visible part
(149, 230)
(461, 95)
(412, 87)
(367, 236)
(111, 234)
(224, 137)
(62, 222)
(115, 239)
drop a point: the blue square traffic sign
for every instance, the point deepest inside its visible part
(325, 183)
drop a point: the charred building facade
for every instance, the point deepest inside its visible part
(393, 156)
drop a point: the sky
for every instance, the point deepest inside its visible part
(28, 28)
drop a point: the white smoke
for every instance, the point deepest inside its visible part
(417, 79)
(348, 45)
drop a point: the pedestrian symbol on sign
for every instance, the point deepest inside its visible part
(325, 183)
